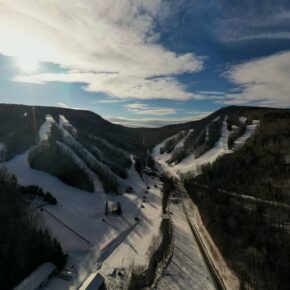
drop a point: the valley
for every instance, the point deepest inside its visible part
(112, 199)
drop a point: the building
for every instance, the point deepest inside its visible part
(98, 283)
(38, 278)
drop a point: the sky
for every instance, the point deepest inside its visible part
(145, 62)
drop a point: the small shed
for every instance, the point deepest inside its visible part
(98, 283)
(38, 278)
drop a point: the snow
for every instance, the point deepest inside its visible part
(229, 278)
(44, 130)
(191, 163)
(249, 132)
(180, 144)
(109, 145)
(134, 246)
(187, 268)
(78, 220)
(64, 123)
(243, 120)
(82, 212)
(87, 156)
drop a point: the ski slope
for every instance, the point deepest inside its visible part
(78, 220)
(193, 164)
(44, 130)
(249, 131)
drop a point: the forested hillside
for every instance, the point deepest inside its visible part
(23, 244)
(253, 236)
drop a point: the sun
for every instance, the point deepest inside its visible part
(27, 64)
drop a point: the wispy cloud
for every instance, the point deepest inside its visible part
(108, 101)
(144, 109)
(252, 20)
(108, 46)
(263, 81)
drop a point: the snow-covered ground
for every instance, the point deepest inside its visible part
(45, 128)
(249, 131)
(82, 212)
(187, 268)
(133, 250)
(79, 223)
(180, 144)
(191, 163)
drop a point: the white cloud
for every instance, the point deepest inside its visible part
(119, 85)
(263, 81)
(153, 123)
(110, 46)
(144, 109)
(108, 101)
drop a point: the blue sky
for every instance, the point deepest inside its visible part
(145, 63)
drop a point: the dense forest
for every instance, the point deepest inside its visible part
(254, 237)
(23, 245)
(50, 157)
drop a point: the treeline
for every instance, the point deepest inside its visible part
(170, 144)
(141, 277)
(50, 158)
(193, 141)
(214, 130)
(107, 177)
(116, 159)
(36, 191)
(58, 156)
(258, 168)
(17, 130)
(237, 128)
(23, 245)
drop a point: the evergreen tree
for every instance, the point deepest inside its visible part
(106, 208)
(119, 208)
